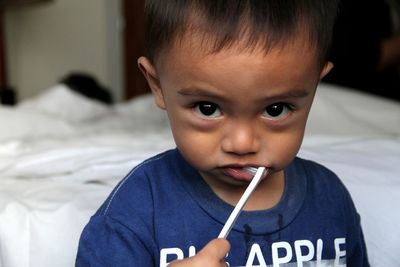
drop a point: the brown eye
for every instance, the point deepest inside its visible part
(207, 109)
(276, 111)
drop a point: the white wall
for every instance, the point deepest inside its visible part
(46, 41)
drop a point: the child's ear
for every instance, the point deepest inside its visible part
(149, 72)
(327, 68)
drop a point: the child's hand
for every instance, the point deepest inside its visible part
(212, 255)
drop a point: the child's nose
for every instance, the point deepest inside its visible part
(241, 139)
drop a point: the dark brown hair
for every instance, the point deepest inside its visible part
(225, 22)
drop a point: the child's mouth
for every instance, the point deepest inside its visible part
(240, 173)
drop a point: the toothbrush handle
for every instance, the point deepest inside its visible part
(242, 201)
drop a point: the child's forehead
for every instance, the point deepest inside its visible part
(201, 45)
(188, 63)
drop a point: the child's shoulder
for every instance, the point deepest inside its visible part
(148, 168)
(314, 168)
(136, 188)
(319, 177)
(327, 189)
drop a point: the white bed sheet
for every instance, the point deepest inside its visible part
(55, 171)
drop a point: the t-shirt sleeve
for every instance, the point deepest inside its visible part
(107, 242)
(121, 233)
(358, 254)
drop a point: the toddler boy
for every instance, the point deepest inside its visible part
(237, 79)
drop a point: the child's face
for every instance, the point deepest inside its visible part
(236, 108)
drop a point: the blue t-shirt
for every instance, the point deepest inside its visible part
(163, 210)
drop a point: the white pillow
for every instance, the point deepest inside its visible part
(64, 103)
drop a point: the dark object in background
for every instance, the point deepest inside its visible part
(8, 96)
(360, 28)
(88, 86)
(19, 3)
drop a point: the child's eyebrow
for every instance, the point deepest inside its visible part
(194, 91)
(294, 93)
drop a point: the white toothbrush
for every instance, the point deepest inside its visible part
(259, 173)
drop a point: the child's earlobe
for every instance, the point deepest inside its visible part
(149, 72)
(326, 69)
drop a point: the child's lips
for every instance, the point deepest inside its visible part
(238, 173)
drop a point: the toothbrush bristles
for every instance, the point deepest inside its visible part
(251, 170)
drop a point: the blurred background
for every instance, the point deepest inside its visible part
(42, 41)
